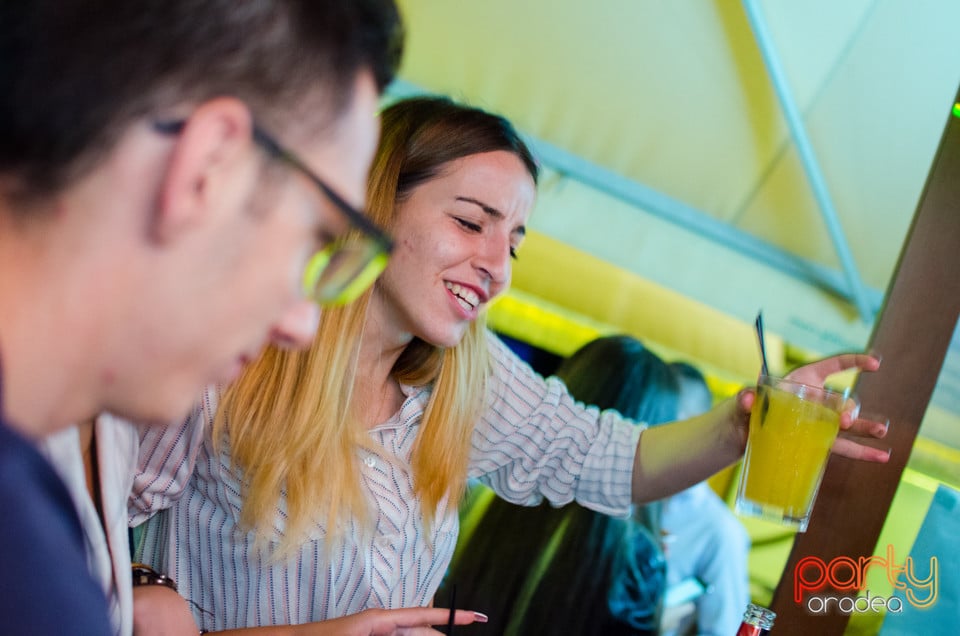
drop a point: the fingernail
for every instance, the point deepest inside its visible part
(479, 617)
(855, 410)
(874, 354)
(881, 425)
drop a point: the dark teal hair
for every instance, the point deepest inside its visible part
(619, 372)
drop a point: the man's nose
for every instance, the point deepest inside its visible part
(298, 326)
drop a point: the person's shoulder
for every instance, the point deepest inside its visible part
(506, 361)
(23, 470)
(46, 587)
(31, 492)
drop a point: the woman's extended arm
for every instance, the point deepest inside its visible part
(409, 621)
(674, 456)
(160, 610)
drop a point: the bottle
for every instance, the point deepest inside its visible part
(757, 621)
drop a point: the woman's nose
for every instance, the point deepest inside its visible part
(494, 261)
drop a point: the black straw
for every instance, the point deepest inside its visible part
(453, 611)
(763, 349)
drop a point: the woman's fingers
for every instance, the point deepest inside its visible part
(464, 617)
(852, 424)
(746, 397)
(407, 621)
(855, 450)
(866, 426)
(423, 616)
(817, 372)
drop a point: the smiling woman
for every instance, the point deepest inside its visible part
(348, 461)
(455, 186)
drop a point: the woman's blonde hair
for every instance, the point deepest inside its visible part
(288, 420)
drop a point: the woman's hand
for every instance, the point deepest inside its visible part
(160, 611)
(408, 621)
(411, 621)
(852, 426)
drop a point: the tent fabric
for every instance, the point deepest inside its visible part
(675, 96)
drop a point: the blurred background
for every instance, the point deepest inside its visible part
(704, 160)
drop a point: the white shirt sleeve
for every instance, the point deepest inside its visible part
(535, 441)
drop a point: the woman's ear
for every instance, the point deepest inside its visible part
(211, 158)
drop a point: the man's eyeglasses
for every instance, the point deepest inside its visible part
(339, 272)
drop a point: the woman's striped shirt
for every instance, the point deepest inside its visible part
(533, 442)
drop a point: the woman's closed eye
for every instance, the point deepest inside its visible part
(468, 225)
(477, 228)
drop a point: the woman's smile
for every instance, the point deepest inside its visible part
(466, 298)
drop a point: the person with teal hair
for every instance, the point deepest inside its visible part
(571, 570)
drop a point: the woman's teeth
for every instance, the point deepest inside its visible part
(467, 298)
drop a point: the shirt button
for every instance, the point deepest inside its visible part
(370, 461)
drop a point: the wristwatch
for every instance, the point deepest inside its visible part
(145, 575)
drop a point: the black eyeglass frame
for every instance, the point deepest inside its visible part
(273, 148)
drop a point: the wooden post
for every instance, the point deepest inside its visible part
(912, 334)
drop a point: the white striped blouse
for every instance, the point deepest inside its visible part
(533, 442)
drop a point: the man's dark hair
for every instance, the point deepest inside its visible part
(75, 73)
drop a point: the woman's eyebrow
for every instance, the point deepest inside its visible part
(492, 211)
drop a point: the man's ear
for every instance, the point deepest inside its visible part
(211, 152)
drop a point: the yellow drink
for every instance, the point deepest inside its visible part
(787, 449)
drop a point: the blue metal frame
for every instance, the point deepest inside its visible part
(856, 290)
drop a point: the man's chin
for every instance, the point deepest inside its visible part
(156, 421)
(151, 416)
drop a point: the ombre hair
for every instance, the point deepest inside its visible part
(289, 419)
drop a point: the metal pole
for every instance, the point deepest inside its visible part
(809, 160)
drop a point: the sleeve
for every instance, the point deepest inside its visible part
(46, 587)
(534, 441)
(166, 461)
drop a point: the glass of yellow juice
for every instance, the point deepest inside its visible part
(792, 427)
